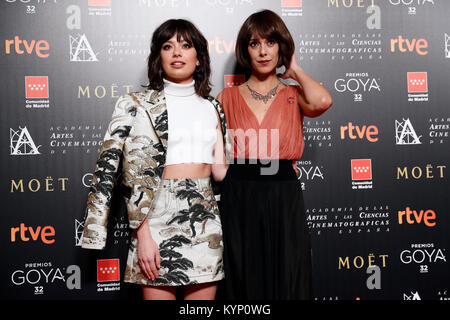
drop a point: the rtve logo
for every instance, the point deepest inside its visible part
(19, 46)
(406, 45)
(46, 233)
(354, 132)
(412, 216)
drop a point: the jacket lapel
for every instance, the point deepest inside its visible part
(156, 109)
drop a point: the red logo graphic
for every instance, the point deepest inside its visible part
(417, 82)
(108, 270)
(232, 80)
(100, 3)
(36, 87)
(361, 169)
(291, 3)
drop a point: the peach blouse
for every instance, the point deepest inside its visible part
(254, 140)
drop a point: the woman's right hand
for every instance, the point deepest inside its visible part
(148, 253)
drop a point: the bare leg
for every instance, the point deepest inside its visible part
(158, 293)
(202, 291)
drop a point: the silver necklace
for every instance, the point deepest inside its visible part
(264, 98)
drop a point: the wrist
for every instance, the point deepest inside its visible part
(144, 230)
(297, 69)
(299, 74)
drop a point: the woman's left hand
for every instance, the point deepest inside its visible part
(313, 98)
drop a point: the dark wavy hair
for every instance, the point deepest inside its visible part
(187, 31)
(267, 24)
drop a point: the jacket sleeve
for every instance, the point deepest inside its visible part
(105, 174)
(227, 141)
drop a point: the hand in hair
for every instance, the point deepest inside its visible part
(290, 72)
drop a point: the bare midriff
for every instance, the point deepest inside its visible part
(187, 170)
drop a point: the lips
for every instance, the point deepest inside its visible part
(177, 64)
(264, 62)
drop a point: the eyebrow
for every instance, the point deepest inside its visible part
(181, 40)
(267, 39)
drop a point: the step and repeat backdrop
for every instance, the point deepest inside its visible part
(375, 170)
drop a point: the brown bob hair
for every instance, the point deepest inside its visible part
(267, 24)
(187, 31)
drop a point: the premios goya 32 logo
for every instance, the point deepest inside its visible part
(423, 255)
(41, 275)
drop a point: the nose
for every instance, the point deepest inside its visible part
(262, 49)
(177, 50)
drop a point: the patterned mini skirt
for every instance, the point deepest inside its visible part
(184, 221)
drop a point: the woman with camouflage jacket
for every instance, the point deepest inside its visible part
(169, 140)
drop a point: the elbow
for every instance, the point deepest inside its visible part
(218, 178)
(325, 104)
(219, 172)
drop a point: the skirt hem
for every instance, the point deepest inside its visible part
(203, 279)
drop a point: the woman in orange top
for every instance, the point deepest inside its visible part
(266, 239)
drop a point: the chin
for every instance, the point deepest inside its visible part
(264, 70)
(179, 77)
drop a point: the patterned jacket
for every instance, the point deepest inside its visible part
(136, 141)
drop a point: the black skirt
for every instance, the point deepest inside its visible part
(266, 240)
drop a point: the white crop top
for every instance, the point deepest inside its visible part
(192, 122)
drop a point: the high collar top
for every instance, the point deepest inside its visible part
(191, 122)
(179, 90)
